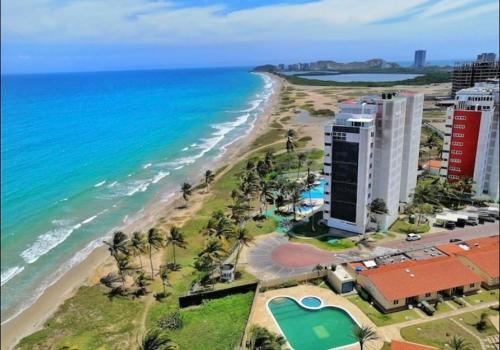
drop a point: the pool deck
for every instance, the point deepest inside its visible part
(260, 315)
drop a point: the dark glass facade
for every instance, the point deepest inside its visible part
(343, 187)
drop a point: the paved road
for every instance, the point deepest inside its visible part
(274, 256)
(432, 239)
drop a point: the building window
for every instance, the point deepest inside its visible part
(457, 143)
(455, 160)
(455, 134)
(459, 126)
(452, 168)
(395, 302)
(472, 285)
(460, 117)
(427, 295)
(454, 151)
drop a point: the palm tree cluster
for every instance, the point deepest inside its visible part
(263, 339)
(442, 193)
(123, 249)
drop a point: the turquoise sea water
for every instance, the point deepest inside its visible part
(84, 153)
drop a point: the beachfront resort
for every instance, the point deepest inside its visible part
(330, 231)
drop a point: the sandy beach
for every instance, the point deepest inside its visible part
(163, 214)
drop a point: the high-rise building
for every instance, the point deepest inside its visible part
(486, 57)
(349, 147)
(465, 75)
(471, 144)
(419, 60)
(398, 121)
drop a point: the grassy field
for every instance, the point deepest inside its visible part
(216, 324)
(401, 226)
(340, 244)
(379, 318)
(443, 307)
(89, 320)
(470, 319)
(483, 296)
(437, 333)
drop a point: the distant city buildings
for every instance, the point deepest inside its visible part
(486, 57)
(471, 143)
(281, 66)
(356, 174)
(465, 75)
(419, 60)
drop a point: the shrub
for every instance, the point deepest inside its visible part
(171, 321)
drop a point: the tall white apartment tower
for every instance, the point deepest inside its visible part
(398, 119)
(349, 146)
(471, 143)
(411, 143)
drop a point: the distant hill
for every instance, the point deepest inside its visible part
(328, 66)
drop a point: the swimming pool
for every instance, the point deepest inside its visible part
(322, 328)
(311, 302)
(316, 191)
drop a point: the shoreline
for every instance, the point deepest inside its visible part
(89, 270)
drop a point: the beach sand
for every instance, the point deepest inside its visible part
(163, 214)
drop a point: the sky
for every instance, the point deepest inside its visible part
(92, 35)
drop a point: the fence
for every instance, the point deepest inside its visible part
(298, 278)
(197, 299)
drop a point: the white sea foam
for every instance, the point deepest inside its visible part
(112, 184)
(185, 149)
(99, 184)
(51, 239)
(145, 166)
(159, 176)
(139, 186)
(192, 145)
(10, 273)
(179, 167)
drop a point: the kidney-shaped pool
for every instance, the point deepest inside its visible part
(323, 328)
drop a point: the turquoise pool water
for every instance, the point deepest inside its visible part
(311, 302)
(322, 329)
(316, 191)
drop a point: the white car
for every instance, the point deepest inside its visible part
(413, 237)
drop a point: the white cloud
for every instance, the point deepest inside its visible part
(141, 21)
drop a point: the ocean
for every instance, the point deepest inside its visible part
(84, 153)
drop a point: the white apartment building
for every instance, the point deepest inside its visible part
(398, 120)
(349, 146)
(471, 144)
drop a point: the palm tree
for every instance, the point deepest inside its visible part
(124, 267)
(266, 193)
(138, 245)
(301, 158)
(364, 334)
(318, 268)
(141, 282)
(118, 244)
(154, 241)
(239, 211)
(459, 343)
(243, 238)
(290, 145)
(186, 190)
(269, 160)
(294, 190)
(176, 239)
(155, 339)
(213, 253)
(164, 278)
(209, 177)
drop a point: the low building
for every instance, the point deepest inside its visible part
(404, 345)
(396, 286)
(481, 256)
(341, 280)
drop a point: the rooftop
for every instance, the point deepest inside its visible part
(412, 278)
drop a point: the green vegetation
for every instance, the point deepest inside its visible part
(216, 324)
(379, 318)
(402, 226)
(442, 307)
(322, 243)
(471, 320)
(430, 76)
(483, 296)
(438, 333)
(89, 320)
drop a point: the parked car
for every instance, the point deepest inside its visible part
(450, 225)
(413, 237)
(471, 222)
(454, 240)
(486, 218)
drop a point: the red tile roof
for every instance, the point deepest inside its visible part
(402, 345)
(412, 278)
(483, 252)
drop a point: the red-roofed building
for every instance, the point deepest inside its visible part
(480, 256)
(395, 286)
(403, 345)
